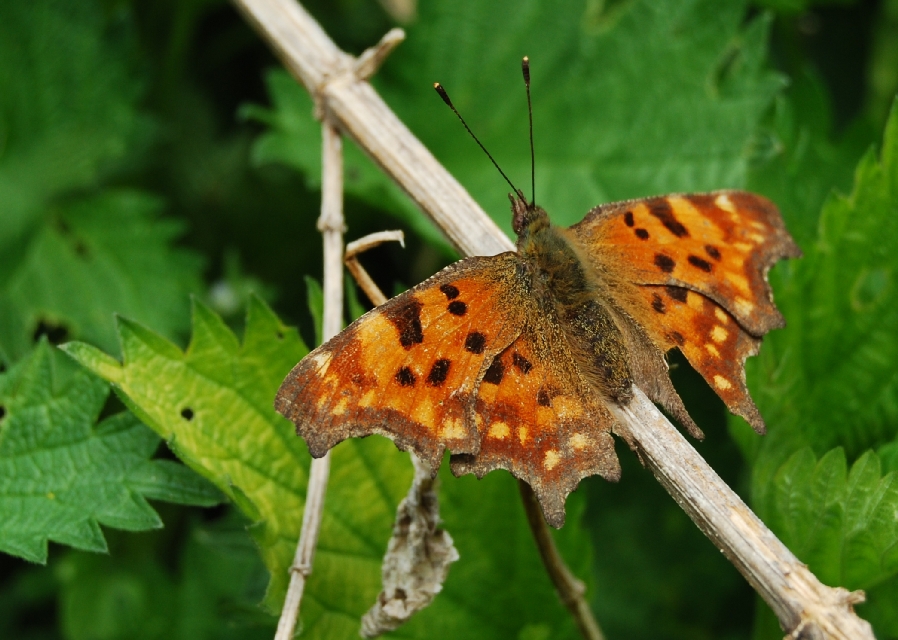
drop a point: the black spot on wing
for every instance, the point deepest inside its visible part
(450, 291)
(657, 303)
(521, 363)
(665, 263)
(407, 320)
(475, 342)
(628, 218)
(677, 293)
(495, 373)
(661, 209)
(677, 337)
(712, 251)
(642, 234)
(438, 372)
(457, 308)
(700, 263)
(406, 377)
(543, 399)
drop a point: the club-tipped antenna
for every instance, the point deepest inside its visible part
(445, 96)
(525, 68)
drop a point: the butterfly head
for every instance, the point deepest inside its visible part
(526, 217)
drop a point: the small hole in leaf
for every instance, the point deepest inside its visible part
(56, 333)
(187, 413)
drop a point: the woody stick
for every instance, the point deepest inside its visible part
(800, 601)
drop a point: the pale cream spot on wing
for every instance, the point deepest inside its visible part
(579, 441)
(368, 398)
(744, 306)
(566, 407)
(744, 247)
(722, 383)
(739, 281)
(757, 238)
(423, 413)
(760, 226)
(322, 359)
(712, 350)
(723, 201)
(499, 430)
(454, 429)
(720, 314)
(340, 408)
(719, 334)
(551, 460)
(522, 434)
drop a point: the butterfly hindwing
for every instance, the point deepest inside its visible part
(538, 420)
(407, 369)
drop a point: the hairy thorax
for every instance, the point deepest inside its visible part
(565, 286)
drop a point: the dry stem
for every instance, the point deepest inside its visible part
(331, 226)
(571, 591)
(796, 596)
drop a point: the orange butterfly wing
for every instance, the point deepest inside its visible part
(700, 264)
(540, 420)
(408, 369)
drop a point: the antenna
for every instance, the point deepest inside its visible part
(445, 96)
(525, 68)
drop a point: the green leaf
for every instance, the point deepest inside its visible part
(829, 379)
(207, 588)
(61, 476)
(842, 525)
(214, 405)
(797, 160)
(111, 253)
(618, 92)
(67, 106)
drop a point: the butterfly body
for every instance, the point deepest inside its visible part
(512, 361)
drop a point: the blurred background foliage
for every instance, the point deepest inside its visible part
(150, 152)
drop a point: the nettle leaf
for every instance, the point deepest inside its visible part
(206, 587)
(110, 253)
(843, 524)
(830, 379)
(797, 161)
(62, 475)
(618, 91)
(214, 404)
(64, 117)
(827, 387)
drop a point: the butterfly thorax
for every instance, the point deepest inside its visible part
(565, 287)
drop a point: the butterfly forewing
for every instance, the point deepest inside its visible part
(407, 370)
(718, 244)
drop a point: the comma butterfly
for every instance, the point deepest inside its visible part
(511, 361)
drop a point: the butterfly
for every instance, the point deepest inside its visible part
(511, 361)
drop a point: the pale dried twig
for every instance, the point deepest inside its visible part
(793, 592)
(331, 226)
(356, 247)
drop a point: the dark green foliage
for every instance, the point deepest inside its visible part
(154, 151)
